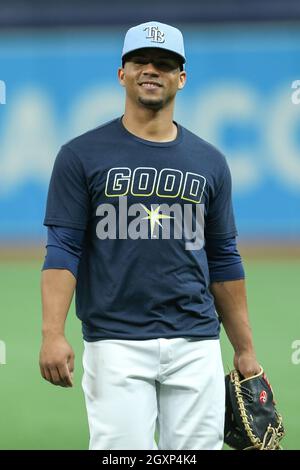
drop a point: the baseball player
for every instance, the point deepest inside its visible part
(140, 222)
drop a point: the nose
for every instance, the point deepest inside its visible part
(150, 69)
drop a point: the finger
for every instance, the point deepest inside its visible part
(71, 366)
(42, 372)
(62, 381)
(55, 378)
(65, 376)
(71, 363)
(47, 375)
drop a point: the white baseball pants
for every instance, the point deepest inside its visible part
(173, 385)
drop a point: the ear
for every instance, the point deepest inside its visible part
(121, 74)
(182, 80)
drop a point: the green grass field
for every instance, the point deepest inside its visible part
(37, 415)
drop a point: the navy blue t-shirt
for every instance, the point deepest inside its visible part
(147, 209)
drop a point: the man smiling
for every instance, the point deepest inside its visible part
(159, 87)
(150, 302)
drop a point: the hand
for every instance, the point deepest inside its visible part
(246, 364)
(57, 360)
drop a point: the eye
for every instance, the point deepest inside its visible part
(166, 64)
(139, 60)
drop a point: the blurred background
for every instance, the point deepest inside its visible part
(58, 79)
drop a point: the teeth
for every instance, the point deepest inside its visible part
(149, 85)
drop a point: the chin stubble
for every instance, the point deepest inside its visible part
(151, 104)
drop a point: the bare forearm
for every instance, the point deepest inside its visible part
(57, 288)
(56, 355)
(231, 304)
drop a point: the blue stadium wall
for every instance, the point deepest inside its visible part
(56, 84)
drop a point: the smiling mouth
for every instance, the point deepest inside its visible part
(150, 85)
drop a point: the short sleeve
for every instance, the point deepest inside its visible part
(220, 221)
(68, 201)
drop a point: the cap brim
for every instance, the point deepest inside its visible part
(179, 57)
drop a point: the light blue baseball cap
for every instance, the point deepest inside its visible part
(154, 34)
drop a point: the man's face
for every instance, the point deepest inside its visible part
(152, 77)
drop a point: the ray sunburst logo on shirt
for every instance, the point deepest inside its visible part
(149, 220)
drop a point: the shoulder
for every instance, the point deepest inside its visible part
(93, 138)
(205, 148)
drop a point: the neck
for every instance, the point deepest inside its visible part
(149, 124)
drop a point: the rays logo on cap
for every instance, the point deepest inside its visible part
(154, 34)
